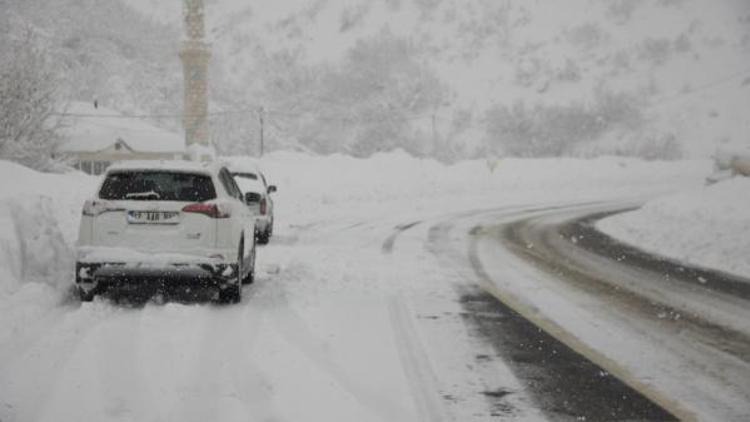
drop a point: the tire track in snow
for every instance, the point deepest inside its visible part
(445, 383)
(227, 385)
(30, 380)
(416, 364)
(558, 255)
(439, 235)
(692, 326)
(171, 362)
(294, 328)
(567, 377)
(588, 237)
(387, 247)
(257, 390)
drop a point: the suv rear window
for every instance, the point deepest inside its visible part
(157, 186)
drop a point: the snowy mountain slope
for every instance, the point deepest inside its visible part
(685, 61)
(103, 51)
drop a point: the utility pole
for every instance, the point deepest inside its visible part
(434, 128)
(435, 141)
(261, 121)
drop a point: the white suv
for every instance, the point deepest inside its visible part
(257, 193)
(156, 224)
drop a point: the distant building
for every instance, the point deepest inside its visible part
(101, 136)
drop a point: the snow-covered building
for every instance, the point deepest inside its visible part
(96, 137)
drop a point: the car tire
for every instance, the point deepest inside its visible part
(264, 237)
(85, 296)
(250, 277)
(233, 292)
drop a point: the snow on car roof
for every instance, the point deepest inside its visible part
(249, 185)
(168, 165)
(242, 165)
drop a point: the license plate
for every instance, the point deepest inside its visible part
(153, 217)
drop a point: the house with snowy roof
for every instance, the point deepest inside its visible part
(95, 137)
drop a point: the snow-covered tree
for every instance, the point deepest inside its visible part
(28, 99)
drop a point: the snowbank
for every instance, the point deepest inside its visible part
(312, 188)
(39, 213)
(38, 224)
(707, 226)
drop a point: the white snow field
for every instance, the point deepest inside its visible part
(342, 324)
(706, 226)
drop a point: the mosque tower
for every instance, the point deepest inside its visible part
(195, 54)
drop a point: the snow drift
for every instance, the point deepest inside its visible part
(38, 224)
(706, 226)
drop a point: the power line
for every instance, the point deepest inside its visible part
(703, 87)
(240, 111)
(153, 116)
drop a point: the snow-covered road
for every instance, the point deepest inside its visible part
(361, 321)
(334, 329)
(683, 342)
(368, 306)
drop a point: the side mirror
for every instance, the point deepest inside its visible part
(252, 198)
(272, 189)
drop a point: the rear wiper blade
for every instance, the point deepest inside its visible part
(143, 195)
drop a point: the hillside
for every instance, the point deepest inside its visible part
(442, 78)
(105, 51)
(683, 65)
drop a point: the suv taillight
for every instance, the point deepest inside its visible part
(263, 206)
(210, 210)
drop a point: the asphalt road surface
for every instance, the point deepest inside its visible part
(694, 319)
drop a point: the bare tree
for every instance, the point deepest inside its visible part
(28, 101)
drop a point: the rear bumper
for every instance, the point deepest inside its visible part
(103, 275)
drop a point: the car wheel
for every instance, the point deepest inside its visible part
(233, 292)
(85, 296)
(250, 274)
(264, 237)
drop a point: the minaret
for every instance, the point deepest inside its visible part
(195, 54)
